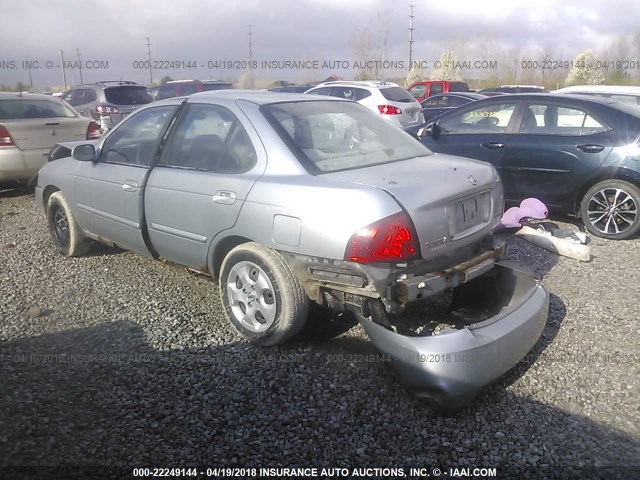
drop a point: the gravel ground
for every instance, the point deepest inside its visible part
(112, 359)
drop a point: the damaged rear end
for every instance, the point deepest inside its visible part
(450, 347)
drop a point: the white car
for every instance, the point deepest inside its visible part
(30, 124)
(618, 93)
(393, 102)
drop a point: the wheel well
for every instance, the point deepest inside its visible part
(48, 191)
(618, 174)
(223, 248)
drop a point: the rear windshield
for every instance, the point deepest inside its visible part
(17, 108)
(329, 136)
(397, 94)
(127, 95)
(216, 86)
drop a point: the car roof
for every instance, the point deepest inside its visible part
(262, 97)
(477, 96)
(358, 83)
(13, 95)
(601, 89)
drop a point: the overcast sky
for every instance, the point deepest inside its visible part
(115, 31)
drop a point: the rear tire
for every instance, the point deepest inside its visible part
(609, 209)
(65, 233)
(262, 297)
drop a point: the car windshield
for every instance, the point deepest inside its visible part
(122, 95)
(15, 109)
(397, 94)
(329, 136)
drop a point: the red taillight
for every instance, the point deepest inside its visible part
(106, 109)
(388, 240)
(5, 138)
(93, 131)
(389, 110)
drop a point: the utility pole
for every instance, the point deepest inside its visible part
(149, 56)
(64, 73)
(411, 29)
(250, 56)
(79, 64)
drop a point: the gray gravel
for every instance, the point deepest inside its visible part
(113, 359)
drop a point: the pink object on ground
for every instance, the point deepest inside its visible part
(529, 208)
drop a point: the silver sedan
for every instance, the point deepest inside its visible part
(292, 200)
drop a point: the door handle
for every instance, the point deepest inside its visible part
(130, 186)
(492, 145)
(590, 148)
(225, 197)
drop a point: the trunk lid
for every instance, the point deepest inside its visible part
(43, 133)
(452, 201)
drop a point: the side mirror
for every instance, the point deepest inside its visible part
(84, 153)
(432, 129)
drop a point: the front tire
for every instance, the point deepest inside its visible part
(609, 209)
(65, 233)
(262, 297)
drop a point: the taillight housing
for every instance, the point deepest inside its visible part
(106, 109)
(391, 239)
(93, 130)
(389, 110)
(5, 138)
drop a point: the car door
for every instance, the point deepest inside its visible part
(557, 146)
(109, 192)
(197, 190)
(479, 131)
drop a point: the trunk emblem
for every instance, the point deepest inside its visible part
(472, 180)
(53, 133)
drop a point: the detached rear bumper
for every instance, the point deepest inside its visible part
(451, 367)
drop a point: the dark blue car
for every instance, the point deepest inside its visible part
(579, 155)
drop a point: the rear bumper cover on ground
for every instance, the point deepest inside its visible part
(452, 366)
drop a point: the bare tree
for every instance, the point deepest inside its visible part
(369, 45)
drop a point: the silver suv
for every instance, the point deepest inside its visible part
(388, 99)
(108, 102)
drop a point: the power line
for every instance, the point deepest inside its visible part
(411, 29)
(250, 56)
(149, 55)
(79, 64)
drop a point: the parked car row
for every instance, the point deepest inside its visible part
(579, 155)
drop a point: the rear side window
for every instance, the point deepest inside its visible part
(321, 91)
(188, 88)
(458, 87)
(397, 94)
(17, 109)
(555, 120)
(436, 88)
(211, 138)
(128, 95)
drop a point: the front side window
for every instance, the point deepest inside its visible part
(211, 138)
(321, 91)
(135, 140)
(418, 91)
(492, 118)
(331, 136)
